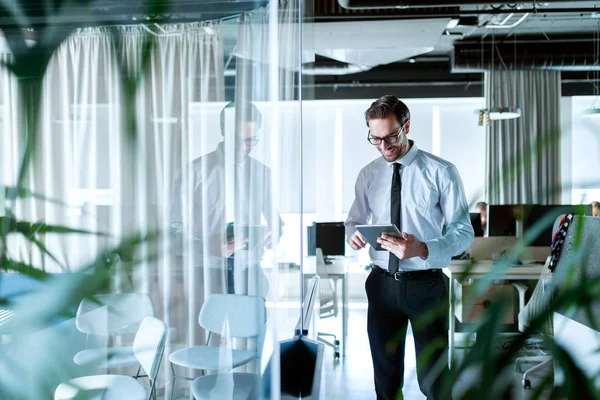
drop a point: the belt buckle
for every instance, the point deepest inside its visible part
(397, 276)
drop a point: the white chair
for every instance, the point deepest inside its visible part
(246, 316)
(148, 348)
(539, 301)
(107, 315)
(231, 386)
(328, 300)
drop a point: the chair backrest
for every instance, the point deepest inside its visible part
(539, 301)
(149, 345)
(113, 314)
(246, 314)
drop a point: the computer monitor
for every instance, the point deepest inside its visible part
(538, 221)
(476, 223)
(502, 220)
(330, 237)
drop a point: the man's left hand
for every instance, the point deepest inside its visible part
(404, 246)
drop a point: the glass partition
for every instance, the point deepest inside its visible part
(152, 196)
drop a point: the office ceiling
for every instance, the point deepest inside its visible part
(421, 48)
(86, 12)
(536, 35)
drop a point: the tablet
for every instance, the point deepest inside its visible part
(254, 233)
(373, 232)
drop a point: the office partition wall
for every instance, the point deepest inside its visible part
(178, 138)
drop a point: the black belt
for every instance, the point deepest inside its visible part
(406, 275)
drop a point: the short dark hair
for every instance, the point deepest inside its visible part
(385, 106)
(249, 113)
(480, 204)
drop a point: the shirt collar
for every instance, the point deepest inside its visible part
(229, 160)
(408, 158)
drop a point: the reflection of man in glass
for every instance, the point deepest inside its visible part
(227, 195)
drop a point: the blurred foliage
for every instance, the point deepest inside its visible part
(60, 294)
(59, 297)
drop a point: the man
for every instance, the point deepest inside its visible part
(595, 209)
(481, 208)
(423, 195)
(225, 189)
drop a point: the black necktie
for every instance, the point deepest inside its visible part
(395, 212)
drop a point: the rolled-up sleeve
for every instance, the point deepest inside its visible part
(458, 232)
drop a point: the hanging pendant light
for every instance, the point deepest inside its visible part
(591, 113)
(594, 112)
(502, 112)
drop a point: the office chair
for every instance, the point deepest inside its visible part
(538, 302)
(328, 300)
(246, 318)
(541, 298)
(110, 315)
(148, 348)
(233, 385)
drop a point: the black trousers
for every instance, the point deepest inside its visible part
(392, 304)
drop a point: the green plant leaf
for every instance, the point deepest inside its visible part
(45, 251)
(25, 269)
(13, 192)
(37, 228)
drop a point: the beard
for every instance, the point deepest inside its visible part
(399, 149)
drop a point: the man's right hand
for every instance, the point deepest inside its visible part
(358, 241)
(232, 246)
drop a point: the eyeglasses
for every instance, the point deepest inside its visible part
(251, 141)
(389, 139)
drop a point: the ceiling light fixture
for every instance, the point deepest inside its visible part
(594, 112)
(453, 23)
(591, 113)
(502, 112)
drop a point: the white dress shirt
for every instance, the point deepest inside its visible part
(433, 207)
(203, 203)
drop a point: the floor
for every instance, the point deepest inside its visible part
(351, 377)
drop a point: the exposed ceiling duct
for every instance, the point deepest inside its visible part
(74, 13)
(335, 70)
(377, 44)
(527, 53)
(315, 70)
(391, 4)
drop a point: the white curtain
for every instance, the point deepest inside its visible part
(185, 69)
(523, 154)
(85, 159)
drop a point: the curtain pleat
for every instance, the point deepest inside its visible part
(523, 154)
(110, 183)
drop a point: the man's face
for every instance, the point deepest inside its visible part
(245, 139)
(483, 214)
(390, 127)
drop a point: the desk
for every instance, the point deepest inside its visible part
(338, 271)
(482, 270)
